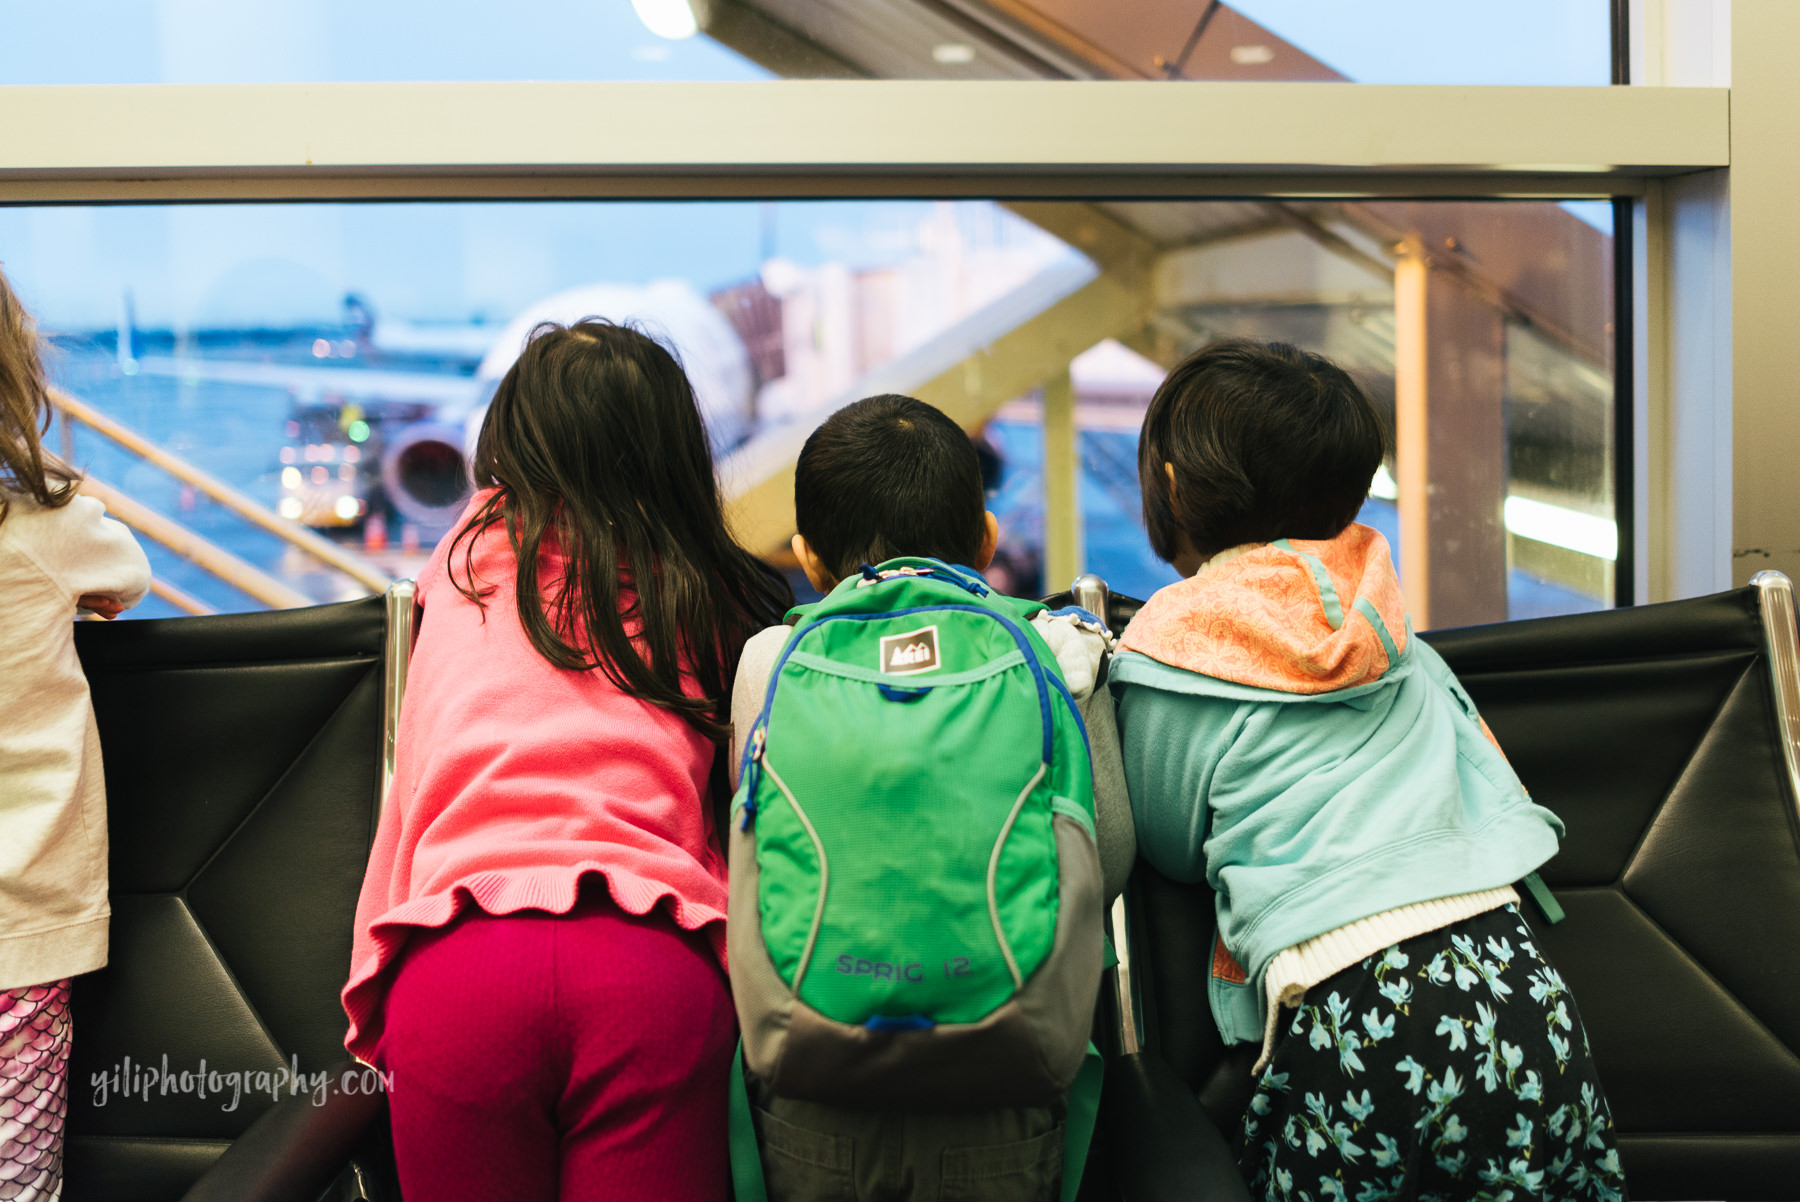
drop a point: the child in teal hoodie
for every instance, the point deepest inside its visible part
(1287, 740)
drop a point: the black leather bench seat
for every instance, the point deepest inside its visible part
(243, 763)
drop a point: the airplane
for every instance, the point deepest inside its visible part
(373, 447)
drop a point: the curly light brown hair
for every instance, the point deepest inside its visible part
(25, 468)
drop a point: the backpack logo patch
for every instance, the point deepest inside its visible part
(915, 651)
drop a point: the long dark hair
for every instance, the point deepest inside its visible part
(25, 467)
(595, 445)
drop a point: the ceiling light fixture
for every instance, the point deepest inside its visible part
(952, 53)
(672, 19)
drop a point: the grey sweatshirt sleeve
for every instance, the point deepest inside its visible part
(752, 682)
(1114, 827)
(1081, 653)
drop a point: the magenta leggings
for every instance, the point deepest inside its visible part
(579, 1056)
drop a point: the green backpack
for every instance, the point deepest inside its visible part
(915, 886)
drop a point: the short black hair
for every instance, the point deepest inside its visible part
(1267, 441)
(889, 476)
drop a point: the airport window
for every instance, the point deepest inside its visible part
(1566, 42)
(237, 371)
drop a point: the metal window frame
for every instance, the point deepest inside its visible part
(1627, 470)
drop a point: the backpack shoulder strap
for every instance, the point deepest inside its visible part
(746, 1161)
(1022, 607)
(1078, 1125)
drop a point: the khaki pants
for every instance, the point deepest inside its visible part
(817, 1153)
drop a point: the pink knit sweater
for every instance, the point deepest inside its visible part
(515, 779)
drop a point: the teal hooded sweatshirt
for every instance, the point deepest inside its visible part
(1287, 740)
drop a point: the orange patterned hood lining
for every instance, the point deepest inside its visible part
(1295, 616)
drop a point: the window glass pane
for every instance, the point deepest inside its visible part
(330, 362)
(1525, 42)
(311, 41)
(1376, 41)
(1567, 42)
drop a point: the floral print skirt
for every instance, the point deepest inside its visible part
(1451, 1067)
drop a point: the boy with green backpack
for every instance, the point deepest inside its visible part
(929, 818)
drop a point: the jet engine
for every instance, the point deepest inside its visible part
(425, 474)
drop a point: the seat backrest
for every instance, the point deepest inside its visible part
(243, 768)
(1652, 732)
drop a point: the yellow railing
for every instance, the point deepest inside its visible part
(206, 555)
(234, 571)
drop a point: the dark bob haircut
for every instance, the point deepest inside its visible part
(889, 476)
(1267, 441)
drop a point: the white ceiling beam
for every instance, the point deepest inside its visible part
(1271, 267)
(433, 131)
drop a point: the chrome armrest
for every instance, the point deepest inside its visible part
(1776, 593)
(402, 595)
(1090, 593)
(1131, 1031)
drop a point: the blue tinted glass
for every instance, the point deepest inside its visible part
(332, 362)
(307, 41)
(271, 41)
(1523, 42)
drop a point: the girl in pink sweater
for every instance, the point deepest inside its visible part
(538, 961)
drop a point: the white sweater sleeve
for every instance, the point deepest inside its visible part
(85, 551)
